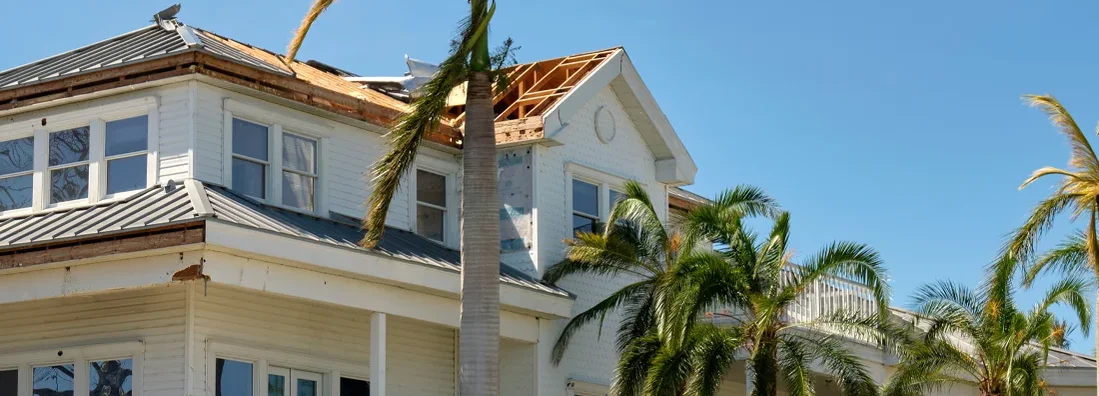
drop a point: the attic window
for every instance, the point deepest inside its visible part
(69, 152)
(250, 158)
(127, 146)
(16, 173)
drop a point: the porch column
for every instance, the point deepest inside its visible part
(377, 354)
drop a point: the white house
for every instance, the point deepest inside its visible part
(178, 216)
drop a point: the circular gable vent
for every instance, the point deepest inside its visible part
(604, 125)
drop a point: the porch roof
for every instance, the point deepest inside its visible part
(176, 204)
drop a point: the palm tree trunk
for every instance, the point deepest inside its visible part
(765, 371)
(479, 338)
(1093, 258)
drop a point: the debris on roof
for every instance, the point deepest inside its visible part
(404, 88)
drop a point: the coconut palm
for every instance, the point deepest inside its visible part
(1077, 191)
(636, 244)
(982, 338)
(763, 286)
(469, 62)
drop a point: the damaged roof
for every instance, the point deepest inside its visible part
(193, 201)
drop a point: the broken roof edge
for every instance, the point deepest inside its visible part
(674, 163)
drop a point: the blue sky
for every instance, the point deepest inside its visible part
(895, 124)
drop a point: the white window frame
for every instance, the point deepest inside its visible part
(316, 175)
(11, 137)
(148, 152)
(42, 123)
(264, 360)
(449, 170)
(416, 202)
(277, 124)
(79, 357)
(605, 181)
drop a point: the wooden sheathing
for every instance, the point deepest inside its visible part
(523, 129)
(84, 248)
(287, 87)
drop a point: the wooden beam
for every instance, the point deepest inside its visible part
(95, 246)
(116, 73)
(523, 129)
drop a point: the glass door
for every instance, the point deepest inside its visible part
(305, 383)
(278, 381)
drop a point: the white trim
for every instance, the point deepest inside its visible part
(296, 375)
(277, 358)
(377, 353)
(450, 211)
(78, 356)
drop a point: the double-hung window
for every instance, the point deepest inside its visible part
(69, 153)
(585, 206)
(299, 171)
(106, 369)
(16, 173)
(274, 158)
(431, 209)
(126, 154)
(250, 153)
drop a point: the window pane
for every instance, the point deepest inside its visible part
(299, 153)
(233, 378)
(431, 188)
(127, 136)
(615, 196)
(9, 382)
(249, 139)
(17, 155)
(307, 387)
(297, 190)
(585, 198)
(16, 192)
(110, 378)
(354, 387)
(127, 174)
(52, 380)
(276, 385)
(429, 222)
(69, 146)
(69, 184)
(248, 178)
(581, 223)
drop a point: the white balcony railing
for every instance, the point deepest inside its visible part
(821, 298)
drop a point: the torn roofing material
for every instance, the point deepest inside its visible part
(193, 201)
(154, 41)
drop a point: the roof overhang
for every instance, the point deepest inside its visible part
(674, 164)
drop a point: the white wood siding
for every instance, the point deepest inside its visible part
(517, 368)
(154, 315)
(420, 356)
(589, 357)
(175, 132)
(208, 132)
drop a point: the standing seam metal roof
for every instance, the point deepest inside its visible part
(173, 204)
(140, 45)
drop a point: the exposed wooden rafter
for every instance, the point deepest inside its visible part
(534, 88)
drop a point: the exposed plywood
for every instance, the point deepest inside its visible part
(57, 252)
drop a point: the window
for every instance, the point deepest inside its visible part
(354, 387)
(585, 206)
(9, 382)
(250, 158)
(127, 146)
(68, 167)
(299, 171)
(52, 380)
(291, 382)
(233, 377)
(431, 205)
(110, 377)
(16, 173)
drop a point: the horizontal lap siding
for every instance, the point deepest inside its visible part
(154, 315)
(209, 122)
(175, 132)
(419, 358)
(352, 152)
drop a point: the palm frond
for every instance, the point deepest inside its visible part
(849, 260)
(852, 376)
(1070, 291)
(1047, 171)
(598, 311)
(315, 10)
(1083, 156)
(713, 352)
(670, 371)
(1023, 240)
(633, 366)
(1069, 258)
(794, 363)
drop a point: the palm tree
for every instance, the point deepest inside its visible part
(635, 243)
(982, 338)
(1077, 190)
(469, 62)
(763, 286)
